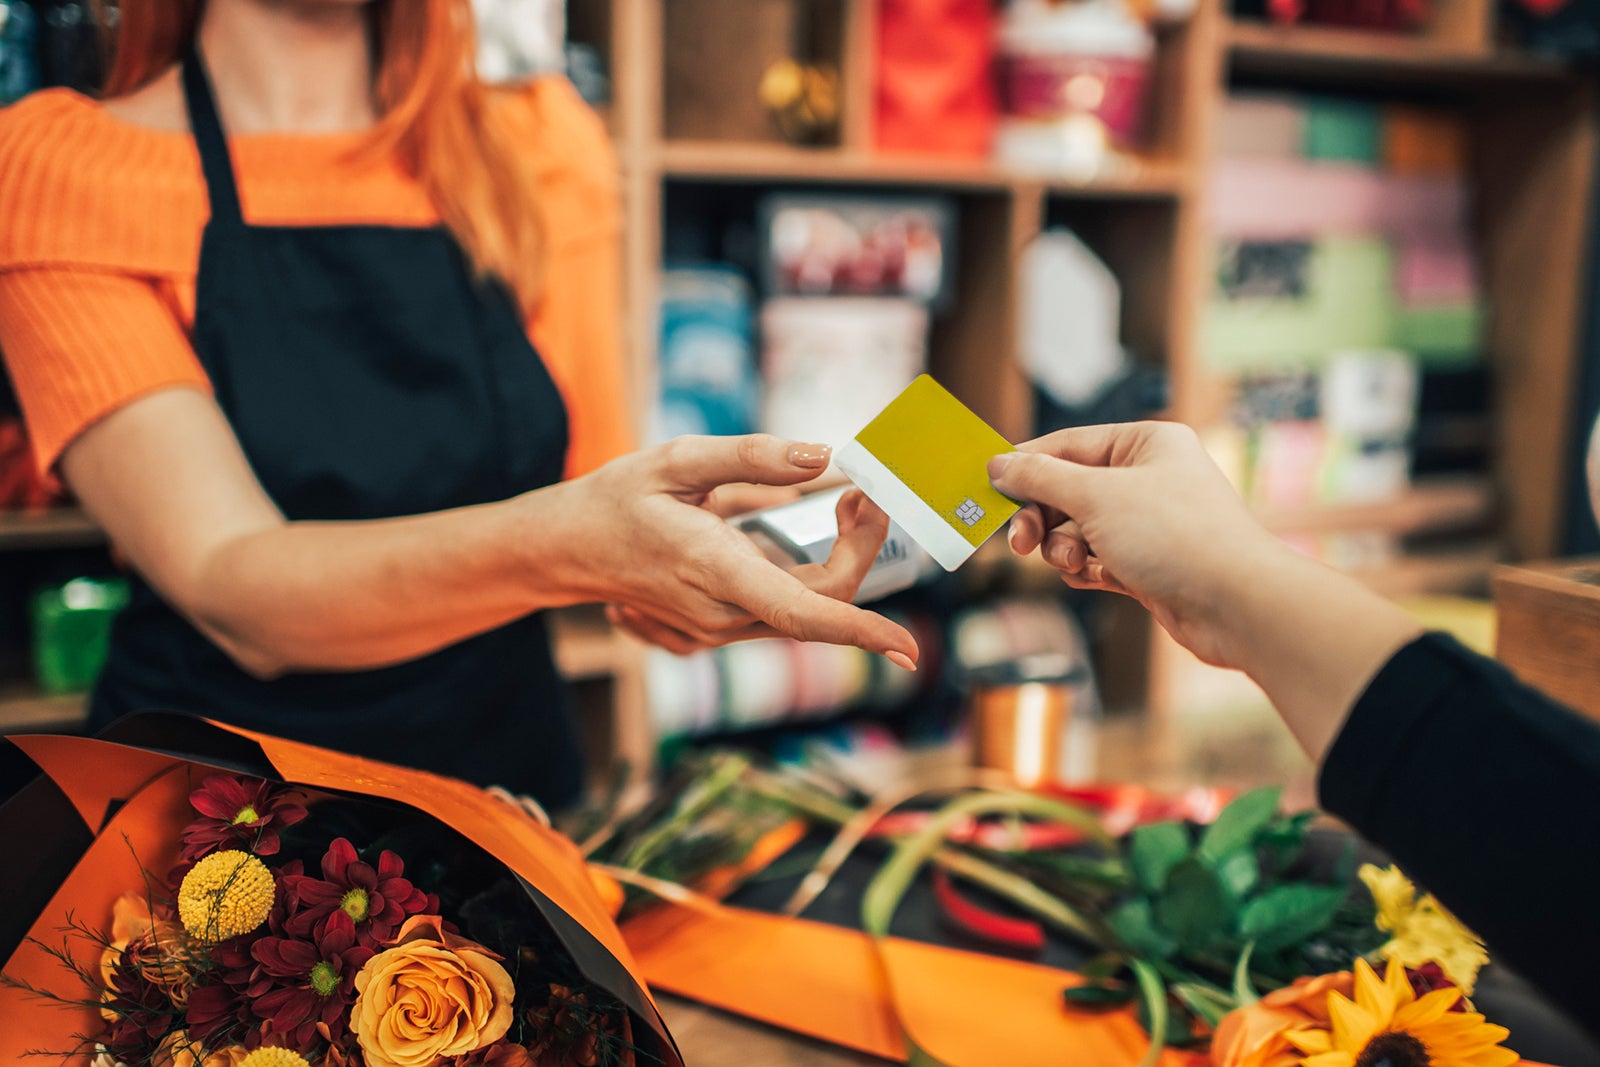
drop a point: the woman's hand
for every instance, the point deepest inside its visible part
(1138, 509)
(1141, 509)
(681, 577)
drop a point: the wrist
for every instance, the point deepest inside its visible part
(547, 545)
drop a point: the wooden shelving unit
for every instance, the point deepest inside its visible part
(61, 527)
(683, 114)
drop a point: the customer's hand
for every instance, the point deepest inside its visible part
(679, 576)
(1140, 509)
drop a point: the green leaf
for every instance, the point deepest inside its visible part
(1284, 837)
(1243, 991)
(1154, 993)
(1240, 822)
(1135, 926)
(1206, 1003)
(1239, 872)
(1154, 850)
(1289, 914)
(1097, 996)
(1194, 908)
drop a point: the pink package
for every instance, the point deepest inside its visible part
(1435, 271)
(1432, 207)
(1280, 199)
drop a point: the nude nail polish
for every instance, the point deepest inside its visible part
(810, 456)
(901, 660)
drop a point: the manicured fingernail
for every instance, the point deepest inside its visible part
(901, 660)
(1016, 534)
(810, 456)
(998, 465)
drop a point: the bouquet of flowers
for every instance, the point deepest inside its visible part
(263, 920)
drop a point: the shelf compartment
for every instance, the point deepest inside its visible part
(733, 161)
(24, 709)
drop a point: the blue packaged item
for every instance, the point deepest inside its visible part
(19, 45)
(709, 382)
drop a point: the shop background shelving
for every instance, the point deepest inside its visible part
(681, 119)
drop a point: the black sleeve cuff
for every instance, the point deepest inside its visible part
(1382, 723)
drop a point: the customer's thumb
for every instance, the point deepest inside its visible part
(1032, 478)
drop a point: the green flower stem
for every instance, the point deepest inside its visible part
(1154, 992)
(911, 852)
(1003, 883)
(695, 801)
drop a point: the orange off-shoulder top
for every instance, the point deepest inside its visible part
(100, 227)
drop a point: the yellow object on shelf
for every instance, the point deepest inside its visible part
(1469, 620)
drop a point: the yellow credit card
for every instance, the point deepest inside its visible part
(924, 460)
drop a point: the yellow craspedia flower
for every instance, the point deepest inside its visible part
(226, 895)
(1423, 929)
(274, 1057)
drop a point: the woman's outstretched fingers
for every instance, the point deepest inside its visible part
(697, 465)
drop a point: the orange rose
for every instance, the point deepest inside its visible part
(1252, 1036)
(430, 995)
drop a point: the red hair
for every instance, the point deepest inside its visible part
(434, 112)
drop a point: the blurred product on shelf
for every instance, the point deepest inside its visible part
(1568, 28)
(22, 487)
(1369, 411)
(833, 245)
(19, 43)
(587, 72)
(1034, 703)
(830, 364)
(71, 627)
(70, 35)
(707, 369)
(759, 684)
(803, 99)
(1340, 226)
(1074, 81)
(804, 531)
(1391, 16)
(1069, 312)
(519, 38)
(1341, 436)
(934, 91)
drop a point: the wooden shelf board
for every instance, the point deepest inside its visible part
(23, 709)
(736, 161)
(1328, 51)
(1462, 570)
(1428, 506)
(49, 528)
(586, 646)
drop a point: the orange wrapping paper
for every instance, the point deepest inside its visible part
(94, 774)
(963, 1008)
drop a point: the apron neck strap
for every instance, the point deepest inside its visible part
(215, 162)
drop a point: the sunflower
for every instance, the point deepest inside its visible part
(1388, 1024)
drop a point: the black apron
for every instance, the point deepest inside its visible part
(367, 374)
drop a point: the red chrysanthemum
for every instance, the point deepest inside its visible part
(140, 1012)
(1431, 977)
(314, 984)
(243, 813)
(375, 900)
